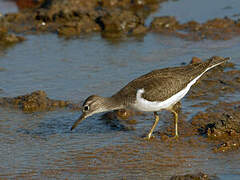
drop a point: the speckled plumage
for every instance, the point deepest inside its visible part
(157, 90)
(161, 84)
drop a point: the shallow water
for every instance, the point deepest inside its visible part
(200, 11)
(7, 7)
(40, 145)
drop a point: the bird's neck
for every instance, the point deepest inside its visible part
(110, 103)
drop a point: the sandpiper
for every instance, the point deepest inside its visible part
(152, 92)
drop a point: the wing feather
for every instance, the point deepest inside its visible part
(161, 84)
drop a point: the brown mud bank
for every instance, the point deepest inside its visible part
(198, 176)
(221, 125)
(113, 19)
(220, 122)
(36, 101)
(8, 39)
(74, 17)
(215, 29)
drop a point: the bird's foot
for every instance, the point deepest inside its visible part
(176, 137)
(148, 137)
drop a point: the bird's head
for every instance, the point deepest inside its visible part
(92, 105)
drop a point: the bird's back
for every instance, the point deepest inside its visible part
(161, 84)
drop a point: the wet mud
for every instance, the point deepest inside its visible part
(199, 176)
(70, 18)
(113, 19)
(7, 39)
(26, 4)
(220, 122)
(215, 29)
(221, 125)
(35, 102)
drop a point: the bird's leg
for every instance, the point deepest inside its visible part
(154, 125)
(176, 123)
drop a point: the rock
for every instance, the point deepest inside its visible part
(215, 29)
(219, 121)
(25, 4)
(196, 60)
(35, 101)
(7, 39)
(114, 19)
(164, 24)
(71, 18)
(119, 23)
(199, 176)
(221, 124)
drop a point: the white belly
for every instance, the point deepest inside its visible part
(142, 104)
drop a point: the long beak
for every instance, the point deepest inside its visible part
(82, 117)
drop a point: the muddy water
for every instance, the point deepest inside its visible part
(200, 11)
(40, 145)
(7, 7)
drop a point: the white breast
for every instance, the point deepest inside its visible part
(142, 104)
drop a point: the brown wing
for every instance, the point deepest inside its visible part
(162, 88)
(161, 84)
(164, 83)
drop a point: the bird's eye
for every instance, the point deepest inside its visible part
(86, 108)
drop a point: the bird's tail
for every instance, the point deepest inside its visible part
(216, 60)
